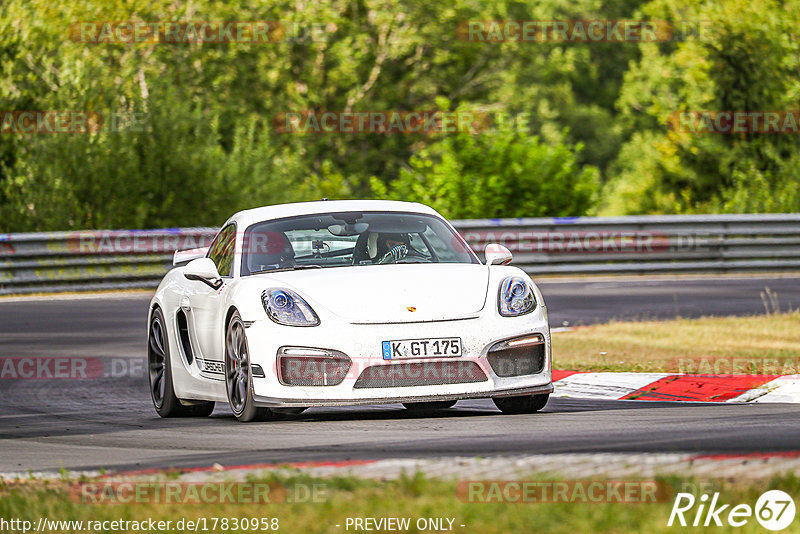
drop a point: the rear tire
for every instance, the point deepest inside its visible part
(239, 376)
(162, 392)
(428, 407)
(524, 404)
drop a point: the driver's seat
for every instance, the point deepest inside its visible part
(366, 248)
(264, 260)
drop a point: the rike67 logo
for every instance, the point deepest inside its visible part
(774, 510)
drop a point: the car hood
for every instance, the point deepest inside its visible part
(371, 294)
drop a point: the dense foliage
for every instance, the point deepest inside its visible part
(595, 137)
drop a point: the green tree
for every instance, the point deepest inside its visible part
(745, 58)
(504, 172)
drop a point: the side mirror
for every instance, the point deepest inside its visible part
(203, 270)
(497, 254)
(183, 256)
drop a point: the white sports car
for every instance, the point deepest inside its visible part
(335, 303)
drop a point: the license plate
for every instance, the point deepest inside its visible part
(422, 348)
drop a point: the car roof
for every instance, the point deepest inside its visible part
(245, 218)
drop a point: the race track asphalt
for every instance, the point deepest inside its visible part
(109, 422)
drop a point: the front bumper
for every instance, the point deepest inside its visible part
(362, 344)
(289, 403)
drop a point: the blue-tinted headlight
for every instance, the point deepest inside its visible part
(515, 297)
(286, 307)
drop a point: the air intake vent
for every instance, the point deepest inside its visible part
(299, 366)
(183, 334)
(420, 374)
(517, 357)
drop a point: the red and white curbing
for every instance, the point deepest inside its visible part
(568, 466)
(677, 387)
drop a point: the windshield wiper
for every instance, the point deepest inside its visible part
(283, 269)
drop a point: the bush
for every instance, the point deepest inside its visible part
(499, 173)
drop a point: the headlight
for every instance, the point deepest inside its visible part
(288, 308)
(516, 297)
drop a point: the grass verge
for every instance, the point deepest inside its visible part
(761, 344)
(412, 497)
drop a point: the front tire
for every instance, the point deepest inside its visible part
(238, 374)
(524, 404)
(162, 392)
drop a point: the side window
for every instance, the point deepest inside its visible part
(221, 250)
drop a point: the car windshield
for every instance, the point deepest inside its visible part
(352, 238)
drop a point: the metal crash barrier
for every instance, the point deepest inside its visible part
(121, 259)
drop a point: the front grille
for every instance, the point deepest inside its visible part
(420, 374)
(516, 361)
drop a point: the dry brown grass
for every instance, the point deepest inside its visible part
(768, 344)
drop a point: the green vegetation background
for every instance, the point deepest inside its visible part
(595, 138)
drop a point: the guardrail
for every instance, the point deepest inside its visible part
(119, 259)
